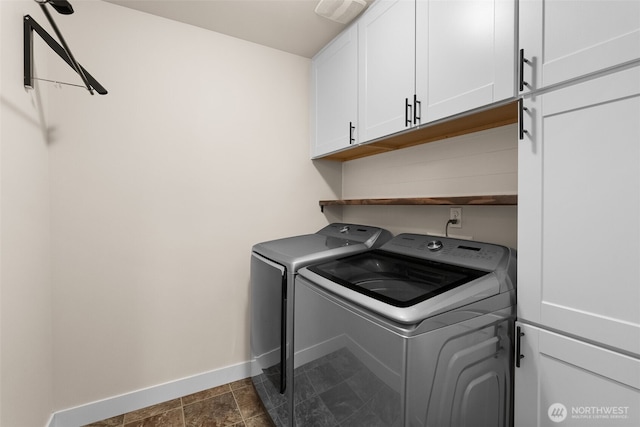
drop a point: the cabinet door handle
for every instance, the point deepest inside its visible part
(523, 61)
(417, 110)
(519, 356)
(351, 129)
(521, 129)
(407, 113)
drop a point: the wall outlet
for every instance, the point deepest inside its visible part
(456, 213)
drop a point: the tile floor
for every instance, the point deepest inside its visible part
(335, 390)
(235, 404)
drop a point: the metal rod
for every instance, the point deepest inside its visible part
(28, 52)
(74, 63)
(521, 129)
(58, 82)
(523, 61)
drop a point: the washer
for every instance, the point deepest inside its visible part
(274, 266)
(415, 333)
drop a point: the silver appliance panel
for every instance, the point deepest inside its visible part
(445, 360)
(334, 240)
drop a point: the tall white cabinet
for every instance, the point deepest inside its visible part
(578, 347)
(561, 40)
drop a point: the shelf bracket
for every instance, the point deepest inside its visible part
(29, 26)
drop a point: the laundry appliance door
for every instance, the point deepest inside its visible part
(268, 322)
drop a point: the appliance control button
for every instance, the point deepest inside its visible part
(434, 245)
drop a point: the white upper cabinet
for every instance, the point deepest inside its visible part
(607, 33)
(578, 210)
(334, 79)
(465, 55)
(408, 62)
(387, 69)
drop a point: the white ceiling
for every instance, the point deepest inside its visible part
(288, 25)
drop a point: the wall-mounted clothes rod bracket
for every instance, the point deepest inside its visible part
(29, 26)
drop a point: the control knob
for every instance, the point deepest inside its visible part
(434, 245)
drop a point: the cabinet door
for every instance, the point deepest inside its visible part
(387, 68)
(334, 92)
(563, 380)
(563, 40)
(579, 210)
(469, 57)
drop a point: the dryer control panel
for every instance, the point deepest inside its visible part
(354, 233)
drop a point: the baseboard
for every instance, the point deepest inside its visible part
(113, 406)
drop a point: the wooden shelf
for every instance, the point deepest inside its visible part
(488, 200)
(500, 115)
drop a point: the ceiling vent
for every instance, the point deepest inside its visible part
(342, 11)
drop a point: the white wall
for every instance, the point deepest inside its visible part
(481, 163)
(26, 371)
(159, 190)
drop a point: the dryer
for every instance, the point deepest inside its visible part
(415, 333)
(274, 267)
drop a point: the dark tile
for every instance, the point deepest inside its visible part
(259, 421)
(345, 363)
(363, 418)
(172, 418)
(314, 413)
(206, 394)
(341, 401)
(258, 379)
(150, 411)
(248, 401)
(324, 377)
(315, 363)
(264, 396)
(271, 397)
(303, 388)
(214, 412)
(386, 405)
(280, 415)
(365, 384)
(111, 422)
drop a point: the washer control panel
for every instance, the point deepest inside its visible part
(481, 255)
